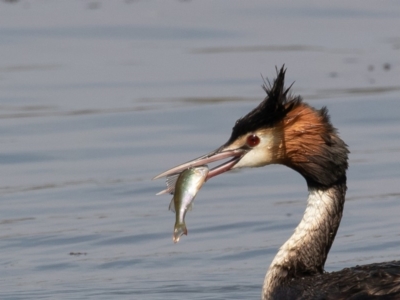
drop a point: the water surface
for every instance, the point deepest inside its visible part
(98, 97)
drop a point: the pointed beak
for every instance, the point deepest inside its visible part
(216, 155)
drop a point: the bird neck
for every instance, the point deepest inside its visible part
(305, 252)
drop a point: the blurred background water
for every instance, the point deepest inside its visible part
(97, 97)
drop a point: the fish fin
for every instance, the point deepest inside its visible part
(172, 205)
(179, 230)
(170, 182)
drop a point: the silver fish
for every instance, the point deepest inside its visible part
(187, 185)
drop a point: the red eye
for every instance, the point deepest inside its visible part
(253, 140)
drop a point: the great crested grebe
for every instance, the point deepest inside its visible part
(285, 130)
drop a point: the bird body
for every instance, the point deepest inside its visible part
(372, 281)
(285, 130)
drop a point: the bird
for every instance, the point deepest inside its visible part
(285, 130)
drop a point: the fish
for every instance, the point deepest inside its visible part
(188, 183)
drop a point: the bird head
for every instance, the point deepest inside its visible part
(280, 130)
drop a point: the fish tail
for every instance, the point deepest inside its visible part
(180, 228)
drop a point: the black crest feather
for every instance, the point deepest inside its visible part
(270, 111)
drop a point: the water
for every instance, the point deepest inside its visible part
(98, 97)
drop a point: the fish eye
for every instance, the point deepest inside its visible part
(252, 140)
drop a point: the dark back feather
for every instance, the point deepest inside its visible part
(368, 282)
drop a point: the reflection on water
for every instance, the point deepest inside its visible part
(110, 32)
(101, 97)
(272, 48)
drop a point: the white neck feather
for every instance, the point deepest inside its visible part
(305, 252)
